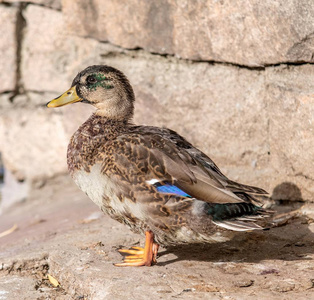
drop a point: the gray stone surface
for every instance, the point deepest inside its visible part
(247, 33)
(289, 94)
(7, 48)
(63, 234)
(33, 148)
(49, 54)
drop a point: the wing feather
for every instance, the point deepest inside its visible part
(153, 156)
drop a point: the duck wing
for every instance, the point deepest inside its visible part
(145, 158)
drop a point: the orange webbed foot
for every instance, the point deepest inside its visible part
(138, 256)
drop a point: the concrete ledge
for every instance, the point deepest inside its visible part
(62, 233)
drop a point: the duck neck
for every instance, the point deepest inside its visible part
(101, 125)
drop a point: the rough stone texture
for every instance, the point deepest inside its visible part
(289, 94)
(62, 233)
(32, 148)
(247, 33)
(8, 46)
(49, 54)
(56, 4)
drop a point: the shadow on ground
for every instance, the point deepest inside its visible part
(292, 242)
(289, 238)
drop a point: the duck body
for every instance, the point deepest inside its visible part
(120, 167)
(150, 178)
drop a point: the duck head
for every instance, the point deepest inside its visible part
(104, 87)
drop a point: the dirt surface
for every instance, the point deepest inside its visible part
(63, 234)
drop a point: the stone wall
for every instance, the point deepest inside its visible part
(234, 77)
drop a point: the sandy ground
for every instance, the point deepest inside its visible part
(63, 234)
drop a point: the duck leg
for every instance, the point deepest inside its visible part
(155, 252)
(141, 256)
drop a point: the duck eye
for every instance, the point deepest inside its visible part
(91, 79)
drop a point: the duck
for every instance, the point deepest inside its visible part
(150, 178)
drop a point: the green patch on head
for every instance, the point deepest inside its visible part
(101, 80)
(100, 76)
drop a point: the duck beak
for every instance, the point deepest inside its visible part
(70, 96)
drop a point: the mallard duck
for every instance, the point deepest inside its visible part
(150, 178)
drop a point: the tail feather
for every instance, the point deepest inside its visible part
(238, 225)
(225, 211)
(248, 198)
(236, 216)
(238, 187)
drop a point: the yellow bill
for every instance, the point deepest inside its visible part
(70, 96)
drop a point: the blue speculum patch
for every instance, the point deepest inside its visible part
(171, 189)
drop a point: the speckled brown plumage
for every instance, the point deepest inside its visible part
(125, 169)
(86, 143)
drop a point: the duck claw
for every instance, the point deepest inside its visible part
(137, 256)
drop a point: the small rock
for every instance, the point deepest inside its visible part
(206, 288)
(244, 283)
(309, 284)
(299, 244)
(283, 286)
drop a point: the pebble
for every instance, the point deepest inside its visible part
(283, 286)
(244, 283)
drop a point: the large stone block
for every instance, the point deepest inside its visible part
(8, 48)
(290, 105)
(250, 33)
(33, 142)
(50, 56)
(34, 138)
